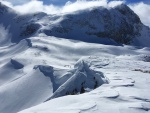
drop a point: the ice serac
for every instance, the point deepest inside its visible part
(82, 78)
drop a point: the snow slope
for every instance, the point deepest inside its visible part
(128, 90)
(59, 75)
(46, 70)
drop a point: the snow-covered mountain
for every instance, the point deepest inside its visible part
(113, 25)
(98, 24)
(43, 57)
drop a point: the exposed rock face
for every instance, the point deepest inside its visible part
(30, 29)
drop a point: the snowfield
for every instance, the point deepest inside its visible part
(45, 72)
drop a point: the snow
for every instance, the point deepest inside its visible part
(127, 91)
(50, 74)
(49, 65)
(4, 35)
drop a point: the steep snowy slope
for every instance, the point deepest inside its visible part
(38, 64)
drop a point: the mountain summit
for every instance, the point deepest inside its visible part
(98, 24)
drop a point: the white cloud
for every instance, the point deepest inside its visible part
(36, 6)
(115, 3)
(143, 10)
(7, 3)
(18, 1)
(39, 6)
(80, 5)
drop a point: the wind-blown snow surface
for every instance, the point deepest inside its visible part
(38, 72)
(30, 75)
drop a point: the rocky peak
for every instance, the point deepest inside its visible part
(126, 11)
(119, 23)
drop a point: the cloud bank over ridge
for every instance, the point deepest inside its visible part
(38, 6)
(143, 11)
(33, 6)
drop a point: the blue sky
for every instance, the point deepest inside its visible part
(62, 2)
